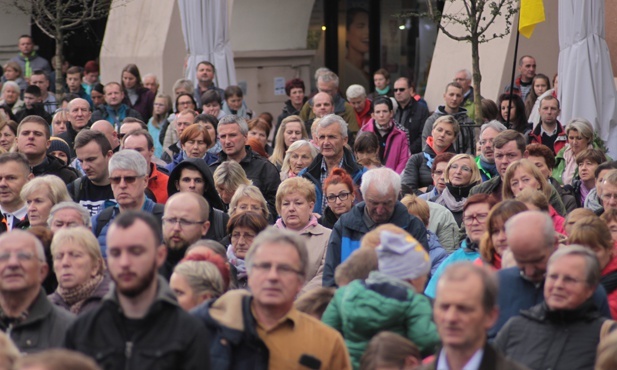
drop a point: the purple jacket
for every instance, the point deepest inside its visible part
(396, 153)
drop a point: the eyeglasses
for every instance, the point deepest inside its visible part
(399, 90)
(484, 142)
(567, 280)
(21, 256)
(127, 179)
(480, 217)
(280, 269)
(438, 173)
(246, 236)
(463, 168)
(181, 221)
(608, 196)
(342, 196)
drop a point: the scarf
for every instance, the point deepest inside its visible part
(488, 167)
(77, 296)
(311, 223)
(584, 192)
(449, 201)
(237, 262)
(382, 92)
(429, 158)
(591, 201)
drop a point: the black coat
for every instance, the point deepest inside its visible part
(417, 173)
(54, 166)
(412, 119)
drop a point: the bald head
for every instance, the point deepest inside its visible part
(108, 130)
(322, 104)
(79, 113)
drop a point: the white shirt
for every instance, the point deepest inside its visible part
(11, 217)
(472, 364)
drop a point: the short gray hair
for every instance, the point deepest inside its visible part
(185, 84)
(292, 148)
(382, 179)
(85, 215)
(321, 71)
(330, 119)
(273, 235)
(12, 84)
(466, 72)
(592, 266)
(38, 245)
(495, 125)
(128, 160)
(355, 91)
(582, 126)
(329, 77)
(202, 277)
(232, 119)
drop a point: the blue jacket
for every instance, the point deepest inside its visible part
(461, 254)
(435, 251)
(350, 228)
(516, 294)
(209, 158)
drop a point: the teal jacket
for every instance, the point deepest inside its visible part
(364, 308)
(462, 254)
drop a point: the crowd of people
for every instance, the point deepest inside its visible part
(141, 230)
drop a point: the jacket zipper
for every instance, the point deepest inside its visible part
(128, 352)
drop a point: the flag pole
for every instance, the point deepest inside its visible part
(514, 65)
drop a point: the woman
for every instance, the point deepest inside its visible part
(461, 174)
(495, 243)
(357, 36)
(389, 350)
(438, 169)
(10, 97)
(574, 216)
(8, 133)
(593, 233)
(291, 129)
(136, 95)
(228, 177)
(259, 129)
(394, 150)
(234, 103)
(295, 199)
(295, 90)
(194, 141)
(249, 198)
(523, 174)
(381, 78)
(610, 217)
(338, 188)
(243, 228)
(366, 150)
(184, 101)
(195, 281)
(299, 155)
(160, 112)
(540, 84)
(416, 178)
(475, 214)
(80, 269)
(587, 162)
(580, 137)
(518, 119)
(14, 73)
(40, 195)
(98, 95)
(60, 122)
(536, 200)
(212, 104)
(211, 125)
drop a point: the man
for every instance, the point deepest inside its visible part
(185, 221)
(266, 330)
(410, 114)
(68, 214)
(131, 124)
(110, 133)
(14, 174)
(79, 117)
(332, 138)
(463, 78)
(205, 81)
(128, 176)
(40, 79)
(32, 141)
(486, 159)
(328, 83)
(139, 325)
(609, 191)
(532, 239)
(33, 105)
(356, 95)
(93, 191)
(380, 188)
(453, 98)
(28, 59)
(594, 200)
(151, 83)
(27, 316)
(233, 133)
(527, 70)
(183, 120)
(142, 142)
(114, 111)
(465, 308)
(74, 76)
(549, 131)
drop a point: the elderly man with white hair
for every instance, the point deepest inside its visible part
(380, 189)
(356, 96)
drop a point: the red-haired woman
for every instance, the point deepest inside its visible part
(338, 189)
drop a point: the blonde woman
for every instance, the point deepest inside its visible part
(228, 176)
(291, 130)
(40, 195)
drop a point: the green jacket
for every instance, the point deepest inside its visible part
(364, 308)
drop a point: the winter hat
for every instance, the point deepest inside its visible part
(402, 257)
(58, 144)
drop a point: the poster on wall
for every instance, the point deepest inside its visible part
(355, 48)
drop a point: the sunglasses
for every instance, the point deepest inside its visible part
(399, 90)
(127, 179)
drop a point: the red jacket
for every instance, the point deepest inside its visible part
(157, 183)
(365, 116)
(535, 136)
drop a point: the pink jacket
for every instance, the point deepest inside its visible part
(397, 147)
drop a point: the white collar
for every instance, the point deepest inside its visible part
(472, 364)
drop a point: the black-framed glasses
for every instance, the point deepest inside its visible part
(127, 179)
(265, 267)
(342, 196)
(480, 217)
(173, 221)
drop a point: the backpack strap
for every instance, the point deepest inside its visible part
(77, 188)
(103, 219)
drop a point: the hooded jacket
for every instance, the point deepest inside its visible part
(53, 166)
(417, 172)
(396, 152)
(166, 338)
(412, 119)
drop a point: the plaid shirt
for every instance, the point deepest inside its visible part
(323, 177)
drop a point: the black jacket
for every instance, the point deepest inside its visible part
(69, 136)
(54, 166)
(37, 110)
(412, 119)
(168, 337)
(259, 170)
(417, 172)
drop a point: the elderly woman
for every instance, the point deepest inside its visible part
(475, 214)
(195, 281)
(339, 191)
(295, 199)
(228, 176)
(593, 233)
(80, 269)
(563, 331)
(416, 178)
(243, 228)
(587, 163)
(10, 97)
(394, 148)
(299, 155)
(292, 129)
(249, 198)
(194, 141)
(8, 133)
(40, 195)
(524, 174)
(461, 175)
(580, 137)
(494, 243)
(438, 170)
(60, 122)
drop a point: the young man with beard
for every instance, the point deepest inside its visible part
(139, 325)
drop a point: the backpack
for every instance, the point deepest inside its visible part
(110, 212)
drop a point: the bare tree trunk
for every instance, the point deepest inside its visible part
(59, 57)
(477, 80)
